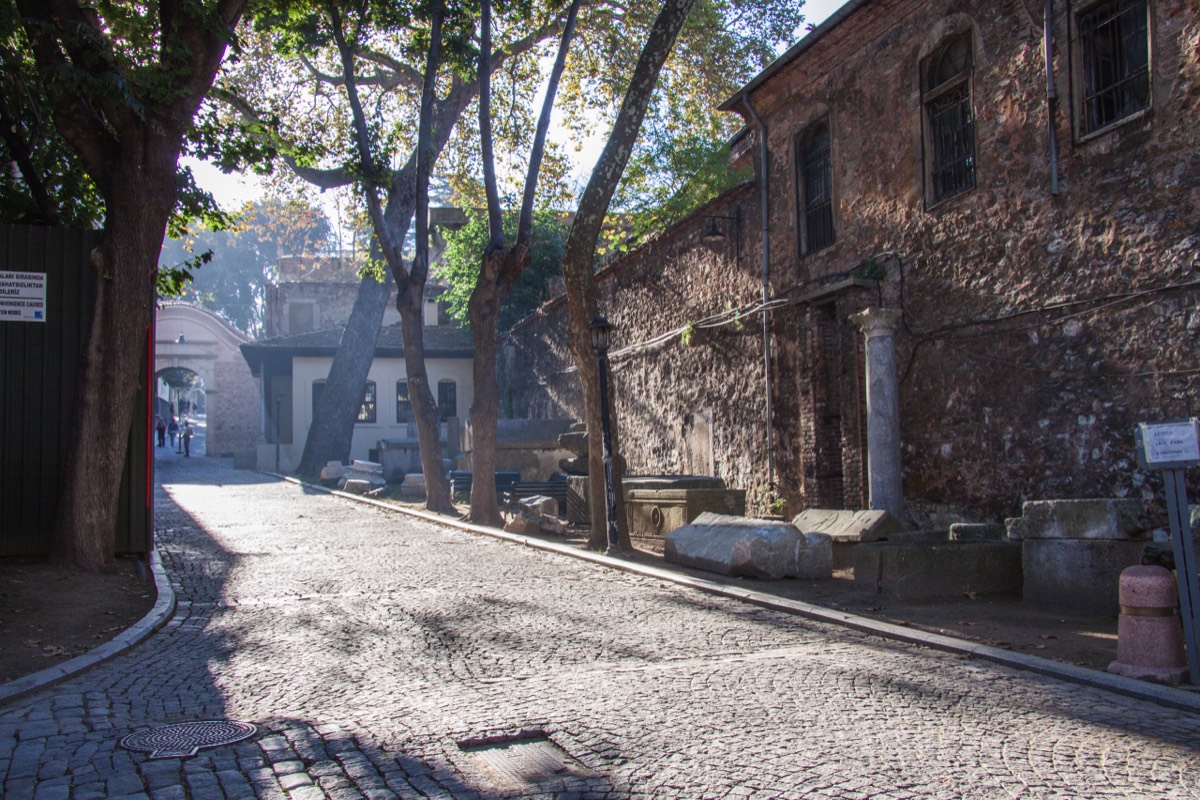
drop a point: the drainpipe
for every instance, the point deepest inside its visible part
(1051, 95)
(765, 251)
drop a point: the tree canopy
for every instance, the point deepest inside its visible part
(239, 261)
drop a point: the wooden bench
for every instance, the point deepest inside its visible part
(460, 483)
(520, 490)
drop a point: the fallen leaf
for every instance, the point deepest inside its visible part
(875, 608)
(1047, 636)
(970, 595)
(964, 622)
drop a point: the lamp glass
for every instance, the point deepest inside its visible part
(600, 330)
(713, 234)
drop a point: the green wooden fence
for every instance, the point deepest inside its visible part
(39, 377)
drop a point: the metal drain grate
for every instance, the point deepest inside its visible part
(185, 738)
(523, 761)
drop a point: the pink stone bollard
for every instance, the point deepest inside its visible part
(1149, 633)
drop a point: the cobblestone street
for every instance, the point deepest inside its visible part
(383, 656)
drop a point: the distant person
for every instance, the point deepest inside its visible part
(187, 439)
(173, 430)
(160, 428)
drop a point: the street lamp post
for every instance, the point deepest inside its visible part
(600, 329)
(278, 403)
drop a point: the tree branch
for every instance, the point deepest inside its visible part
(331, 178)
(495, 226)
(391, 251)
(525, 222)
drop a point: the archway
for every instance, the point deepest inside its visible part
(190, 340)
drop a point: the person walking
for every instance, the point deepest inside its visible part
(187, 439)
(173, 430)
(160, 428)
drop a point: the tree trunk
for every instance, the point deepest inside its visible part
(124, 258)
(483, 311)
(585, 231)
(329, 438)
(437, 487)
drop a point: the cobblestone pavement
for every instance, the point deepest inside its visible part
(385, 657)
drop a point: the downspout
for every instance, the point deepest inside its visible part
(765, 254)
(1051, 95)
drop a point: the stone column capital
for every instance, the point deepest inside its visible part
(877, 321)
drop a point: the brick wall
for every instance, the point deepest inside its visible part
(1037, 328)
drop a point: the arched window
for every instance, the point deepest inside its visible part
(815, 181)
(949, 119)
(447, 399)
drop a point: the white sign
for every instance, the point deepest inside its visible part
(1170, 442)
(22, 296)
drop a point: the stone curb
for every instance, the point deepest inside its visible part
(156, 617)
(1170, 697)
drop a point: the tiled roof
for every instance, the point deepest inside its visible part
(442, 341)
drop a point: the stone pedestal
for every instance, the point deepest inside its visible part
(1149, 635)
(1073, 551)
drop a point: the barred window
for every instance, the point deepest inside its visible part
(816, 187)
(1113, 62)
(949, 119)
(404, 412)
(447, 399)
(366, 412)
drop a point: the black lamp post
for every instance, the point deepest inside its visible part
(600, 330)
(278, 403)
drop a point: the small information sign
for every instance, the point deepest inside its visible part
(1169, 445)
(22, 296)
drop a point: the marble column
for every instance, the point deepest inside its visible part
(883, 410)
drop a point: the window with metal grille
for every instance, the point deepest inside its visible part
(404, 412)
(1114, 62)
(447, 399)
(816, 186)
(949, 119)
(366, 412)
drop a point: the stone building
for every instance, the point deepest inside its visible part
(1030, 223)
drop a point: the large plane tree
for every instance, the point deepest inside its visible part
(123, 88)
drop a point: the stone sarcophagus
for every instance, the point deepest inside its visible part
(658, 505)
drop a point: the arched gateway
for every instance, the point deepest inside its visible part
(190, 337)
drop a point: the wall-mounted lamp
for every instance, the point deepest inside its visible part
(181, 340)
(714, 235)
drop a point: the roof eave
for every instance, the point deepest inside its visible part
(796, 50)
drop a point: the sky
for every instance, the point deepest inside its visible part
(233, 191)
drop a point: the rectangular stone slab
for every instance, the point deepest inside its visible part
(928, 570)
(846, 526)
(1102, 518)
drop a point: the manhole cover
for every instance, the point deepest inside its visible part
(523, 761)
(185, 738)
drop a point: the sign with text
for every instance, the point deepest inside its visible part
(1169, 445)
(22, 296)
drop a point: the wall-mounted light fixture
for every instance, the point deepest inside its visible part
(715, 234)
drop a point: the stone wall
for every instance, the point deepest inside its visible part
(1037, 328)
(681, 408)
